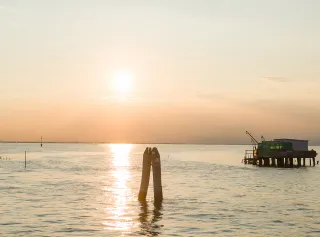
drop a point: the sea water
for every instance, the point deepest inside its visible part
(92, 189)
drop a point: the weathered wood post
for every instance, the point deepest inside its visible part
(156, 170)
(291, 162)
(25, 159)
(274, 162)
(314, 161)
(260, 162)
(254, 162)
(299, 161)
(282, 162)
(310, 161)
(304, 162)
(147, 157)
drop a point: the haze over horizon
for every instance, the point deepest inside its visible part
(159, 72)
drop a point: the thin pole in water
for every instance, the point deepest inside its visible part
(25, 159)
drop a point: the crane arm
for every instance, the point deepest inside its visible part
(253, 139)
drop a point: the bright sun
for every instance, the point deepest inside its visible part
(122, 82)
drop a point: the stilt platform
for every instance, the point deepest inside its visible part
(290, 161)
(283, 152)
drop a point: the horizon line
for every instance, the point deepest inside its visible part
(136, 143)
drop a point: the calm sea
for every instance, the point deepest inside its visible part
(91, 190)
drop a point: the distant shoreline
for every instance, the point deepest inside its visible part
(138, 143)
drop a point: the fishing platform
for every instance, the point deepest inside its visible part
(283, 152)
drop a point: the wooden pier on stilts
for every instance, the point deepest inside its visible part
(284, 153)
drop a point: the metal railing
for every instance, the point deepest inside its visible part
(249, 154)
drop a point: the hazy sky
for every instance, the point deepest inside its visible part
(200, 71)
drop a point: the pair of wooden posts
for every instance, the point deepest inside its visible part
(151, 157)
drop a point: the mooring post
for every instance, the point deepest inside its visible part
(156, 170)
(25, 159)
(147, 156)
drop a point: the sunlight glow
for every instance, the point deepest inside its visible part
(122, 82)
(117, 212)
(120, 154)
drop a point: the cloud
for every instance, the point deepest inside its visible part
(276, 79)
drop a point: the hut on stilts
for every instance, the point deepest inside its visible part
(283, 152)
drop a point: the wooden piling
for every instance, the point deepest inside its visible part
(285, 162)
(314, 161)
(291, 162)
(266, 162)
(310, 161)
(279, 162)
(156, 170)
(25, 159)
(299, 162)
(147, 158)
(304, 162)
(254, 162)
(260, 162)
(273, 162)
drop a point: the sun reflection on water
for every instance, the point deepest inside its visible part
(117, 209)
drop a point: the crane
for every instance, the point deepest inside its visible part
(253, 140)
(252, 153)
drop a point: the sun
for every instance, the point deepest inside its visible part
(122, 82)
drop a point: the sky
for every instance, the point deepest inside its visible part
(159, 71)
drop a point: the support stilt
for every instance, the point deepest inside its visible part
(291, 162)
(260, 162)
(314, 161)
